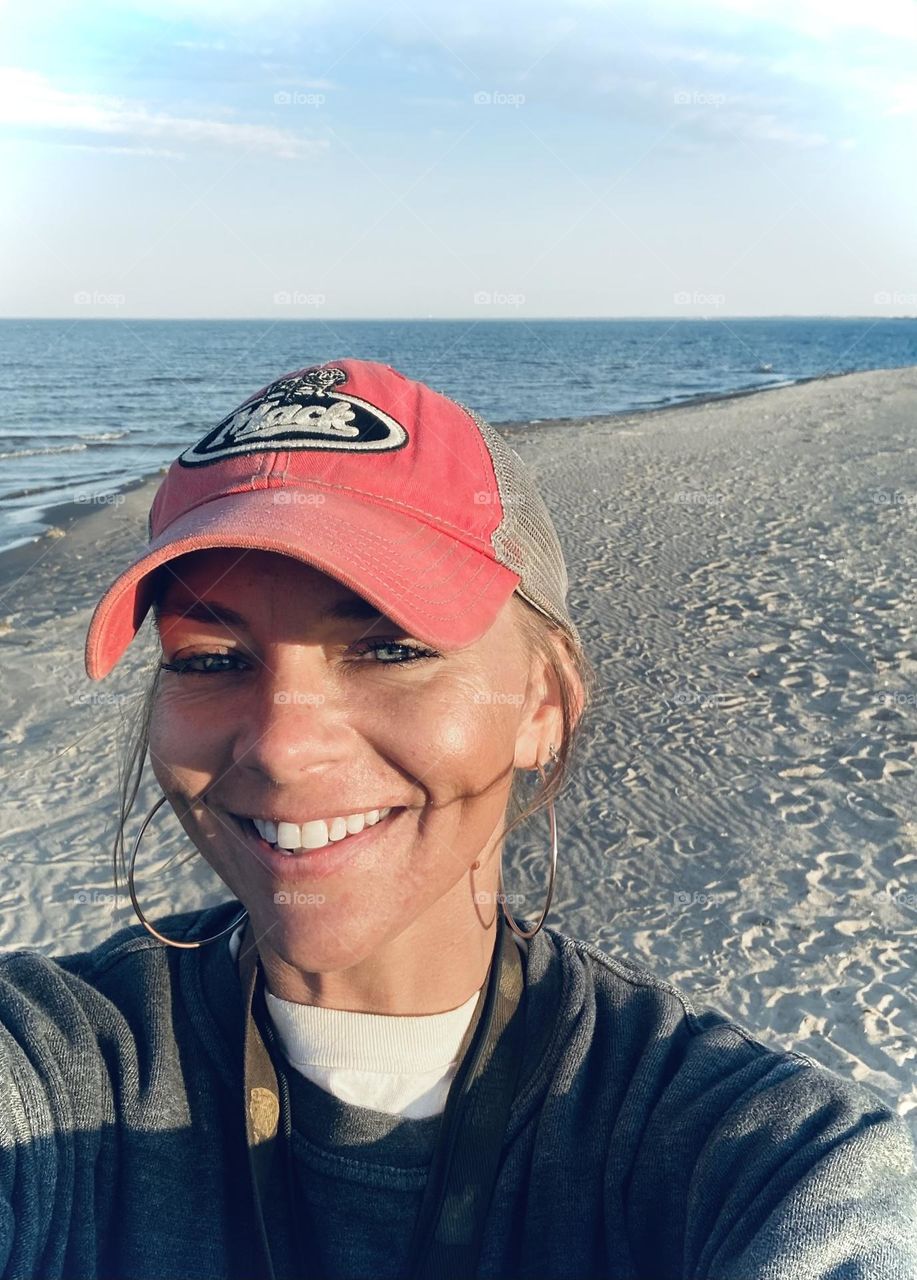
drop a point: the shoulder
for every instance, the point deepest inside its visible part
(29, 972)
(768, 1162)
(54, 1018)
(74, 1027)
(92, 989)
(697, 1069)
(645, 1005)
(26, 969)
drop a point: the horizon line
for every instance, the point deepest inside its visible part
(785, 315)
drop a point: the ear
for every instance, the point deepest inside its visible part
(542, 721)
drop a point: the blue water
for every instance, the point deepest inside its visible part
(92, 404)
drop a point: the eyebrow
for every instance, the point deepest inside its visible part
(348, 609)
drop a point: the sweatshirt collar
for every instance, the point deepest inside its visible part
(210, 979)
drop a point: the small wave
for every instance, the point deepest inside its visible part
(95, 436)
(33, 453)
(39, 490)
(168, 380)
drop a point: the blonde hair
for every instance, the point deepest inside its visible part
(577, 681)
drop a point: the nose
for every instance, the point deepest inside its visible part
(290, 722)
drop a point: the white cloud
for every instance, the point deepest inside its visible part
(209, 46)
(732, 119)
(159, 153)
(903, 98)
(768, 128)
(847, 81)
(278, 70)
(30, 99)
(714, 59)
(822, 18)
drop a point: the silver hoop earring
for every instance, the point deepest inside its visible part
(142, 918)
(541, 919)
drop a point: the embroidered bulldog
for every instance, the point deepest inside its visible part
(302, 411)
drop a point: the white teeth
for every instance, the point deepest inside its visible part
(314, 835)
(288, 836)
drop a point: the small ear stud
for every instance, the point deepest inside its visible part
(552, 752)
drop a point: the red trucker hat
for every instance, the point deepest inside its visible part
(406, 496)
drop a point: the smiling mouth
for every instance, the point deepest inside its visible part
(318, 840)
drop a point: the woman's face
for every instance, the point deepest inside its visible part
(314, 707)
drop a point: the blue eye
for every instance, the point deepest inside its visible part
(182, 665)
(416, 652)
(218, 663)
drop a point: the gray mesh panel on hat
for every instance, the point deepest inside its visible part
(525, 540)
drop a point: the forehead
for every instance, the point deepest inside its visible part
(233, 572)
(244, 566)
(223, 584)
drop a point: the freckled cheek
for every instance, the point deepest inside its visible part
(455, 755)
(187, 744)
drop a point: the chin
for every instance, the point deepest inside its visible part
(311, 942)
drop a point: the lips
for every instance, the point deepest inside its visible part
(305, 863)
(318, 832)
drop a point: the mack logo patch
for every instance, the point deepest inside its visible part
(306, 411)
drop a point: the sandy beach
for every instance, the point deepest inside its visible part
(742, 820)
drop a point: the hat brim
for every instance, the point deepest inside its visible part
(444, 592)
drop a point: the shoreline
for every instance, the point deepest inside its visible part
(688, 402)
(61, 516)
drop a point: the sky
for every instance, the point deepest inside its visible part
(240, 158)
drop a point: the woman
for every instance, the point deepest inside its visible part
(363, 1065)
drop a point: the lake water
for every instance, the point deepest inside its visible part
(93, 404)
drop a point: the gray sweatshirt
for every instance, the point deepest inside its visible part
(647, 1140)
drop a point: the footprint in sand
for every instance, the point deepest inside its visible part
(802, 770)
(868, 808)
(801, 807)
(866, 768)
